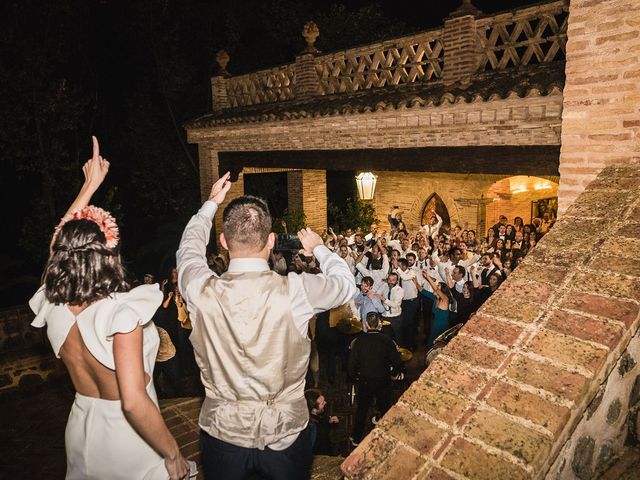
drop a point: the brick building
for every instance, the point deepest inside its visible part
(450, 112)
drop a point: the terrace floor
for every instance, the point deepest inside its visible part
(32, 427)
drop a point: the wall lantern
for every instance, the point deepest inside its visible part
(366, 183)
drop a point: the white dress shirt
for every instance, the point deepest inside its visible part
(433, 230)
(409, 288)
(392, 302)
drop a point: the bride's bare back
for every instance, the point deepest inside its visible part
(90, 378)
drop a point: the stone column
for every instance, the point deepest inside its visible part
(307, 191)
(219, 95)
(461, 50)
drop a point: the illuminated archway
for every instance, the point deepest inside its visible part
(435, 204)
(521, 196)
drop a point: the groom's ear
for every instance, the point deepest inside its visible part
(271, 240)
(223, 242)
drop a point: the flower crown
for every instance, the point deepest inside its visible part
(100, 217)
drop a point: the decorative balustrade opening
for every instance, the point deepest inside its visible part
(265, 86)
(418, 60)
(528, 40)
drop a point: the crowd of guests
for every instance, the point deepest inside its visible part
(430, 276)
(412, 285)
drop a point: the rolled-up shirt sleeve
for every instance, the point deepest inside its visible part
(191, 256)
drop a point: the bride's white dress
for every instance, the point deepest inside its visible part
(100, 442)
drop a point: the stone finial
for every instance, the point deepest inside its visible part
(467, 8)
(222, 57)
(310, 32)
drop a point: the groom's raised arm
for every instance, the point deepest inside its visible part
(191, 256)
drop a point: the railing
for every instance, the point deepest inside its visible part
(532, 35)
(265, 86)
(416, 58)
(528, 36)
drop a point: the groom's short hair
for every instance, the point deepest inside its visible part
(246, 223)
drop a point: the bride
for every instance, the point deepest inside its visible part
(101, 329)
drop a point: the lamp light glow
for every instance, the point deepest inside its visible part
(366, 183)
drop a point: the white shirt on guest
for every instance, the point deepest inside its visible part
(392, 301)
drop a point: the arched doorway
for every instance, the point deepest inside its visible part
(521, 196)
(435, 204)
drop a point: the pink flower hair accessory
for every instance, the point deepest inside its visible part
(100, 217)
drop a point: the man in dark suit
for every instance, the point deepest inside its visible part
(373, 357)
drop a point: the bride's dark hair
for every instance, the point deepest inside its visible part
(81, 268)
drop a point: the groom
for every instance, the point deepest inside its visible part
(250, 338)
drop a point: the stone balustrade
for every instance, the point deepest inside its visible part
(522, 37)
(415, 58)
(266, 86)
(468, 44)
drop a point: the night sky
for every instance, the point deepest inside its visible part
(132, 72)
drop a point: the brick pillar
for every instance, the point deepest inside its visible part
(294, 191)
(219, 95)
(601, 97)
(307, 84)
(461, 49)
(209, 165)
(307, 191)
(209, 173)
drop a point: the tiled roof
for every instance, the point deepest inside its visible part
(533, 80)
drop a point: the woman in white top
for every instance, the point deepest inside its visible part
(101, 329)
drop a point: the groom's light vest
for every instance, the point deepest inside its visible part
(252, 358)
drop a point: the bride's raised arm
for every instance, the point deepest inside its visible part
(95, 170)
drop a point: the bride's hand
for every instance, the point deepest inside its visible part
(177, 467)
(96, 168)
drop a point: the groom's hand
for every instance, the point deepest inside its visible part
(220, 188)
(309, 240)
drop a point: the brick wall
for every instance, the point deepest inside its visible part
(460, 193)
(505, 397)
(468, 198)
(601, 118)
(532, 120)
